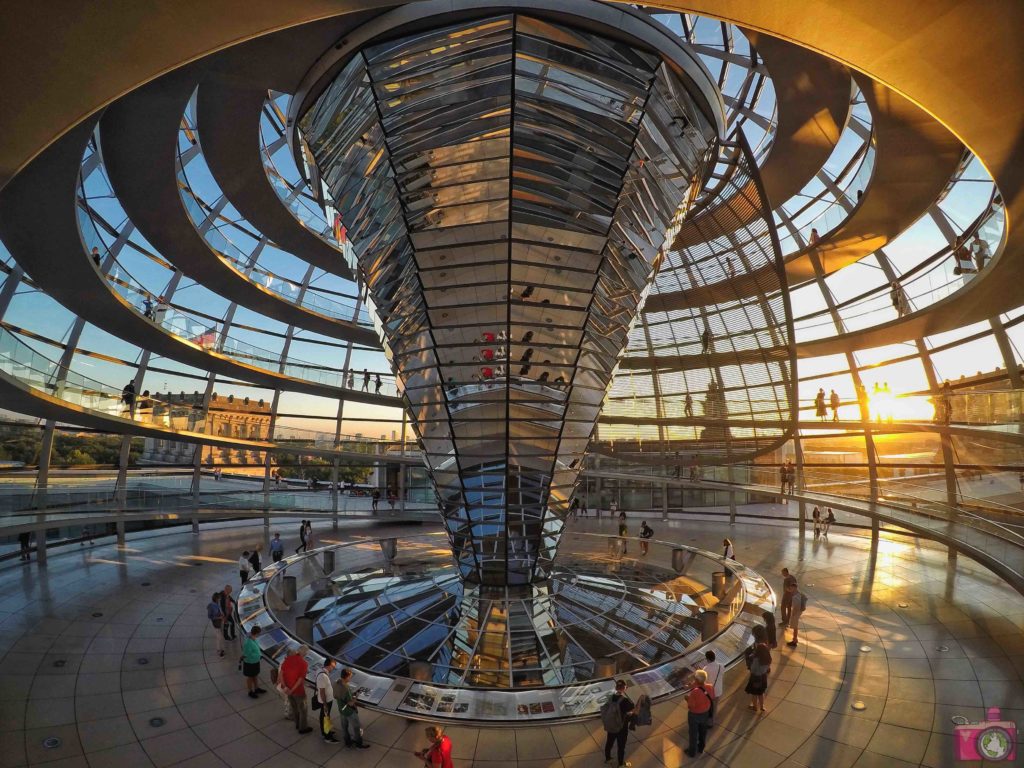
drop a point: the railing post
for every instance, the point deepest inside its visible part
(334, 489)
(730, 475)
(401, 467)
(799, 470)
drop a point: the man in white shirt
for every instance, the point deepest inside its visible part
(716, 675)
(980, 251)
(243, 567)
(325, 699)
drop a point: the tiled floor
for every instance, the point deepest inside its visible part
(109, 652)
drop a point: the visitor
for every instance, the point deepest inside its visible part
(392, 498)
(787, 601)
(366, 380)
(646, 532)
(815, 237)
(792, 475)
(227, 607)
(833, 401)
(830, 518)
(583, 506)
(293, 679)
(783, 478)
(730, 268)
(351, 383)
(798, 601)
(243, 567)
(759, 663)
(623, 532)
(896, 298)
(276, 548)
(310, 538)
(251, 662)
(819, 405)
(688, 406)
(980, 251)
(706, 341)
(699, 701)
(348, 709)
(729, 553)
(147, 308)
(439, 753)
(96, 259)
(816, 517)
(255, 562)
(128, 399)
(715, 671)
(216, 616)
(375, 500)
(302, 538)
(615, 715)
(377, 383)
(24, 549)
(323, 700)
(160, 311)
(946, 400)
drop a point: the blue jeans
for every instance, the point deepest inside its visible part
(698, 724)
(351, 728)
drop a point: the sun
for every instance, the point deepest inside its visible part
(885, 405)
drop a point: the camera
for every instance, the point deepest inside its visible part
(991, 739)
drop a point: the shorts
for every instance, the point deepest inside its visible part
(251, 670)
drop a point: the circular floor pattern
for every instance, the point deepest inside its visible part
(100, 704)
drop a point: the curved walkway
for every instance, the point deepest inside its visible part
(74, 634)
(139, 135)
(1011, 433)
(986, 112)
(47, 96)
(46, 243)
(812, 94)
(21, 398)
(915, 157)
(236, 161)
(996, 547)
(234, 95)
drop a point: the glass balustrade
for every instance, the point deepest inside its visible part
(342, 309)
(210, 334)
(177, 413)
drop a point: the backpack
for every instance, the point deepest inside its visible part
(643, 710)
(757, 667)
(611, 715)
